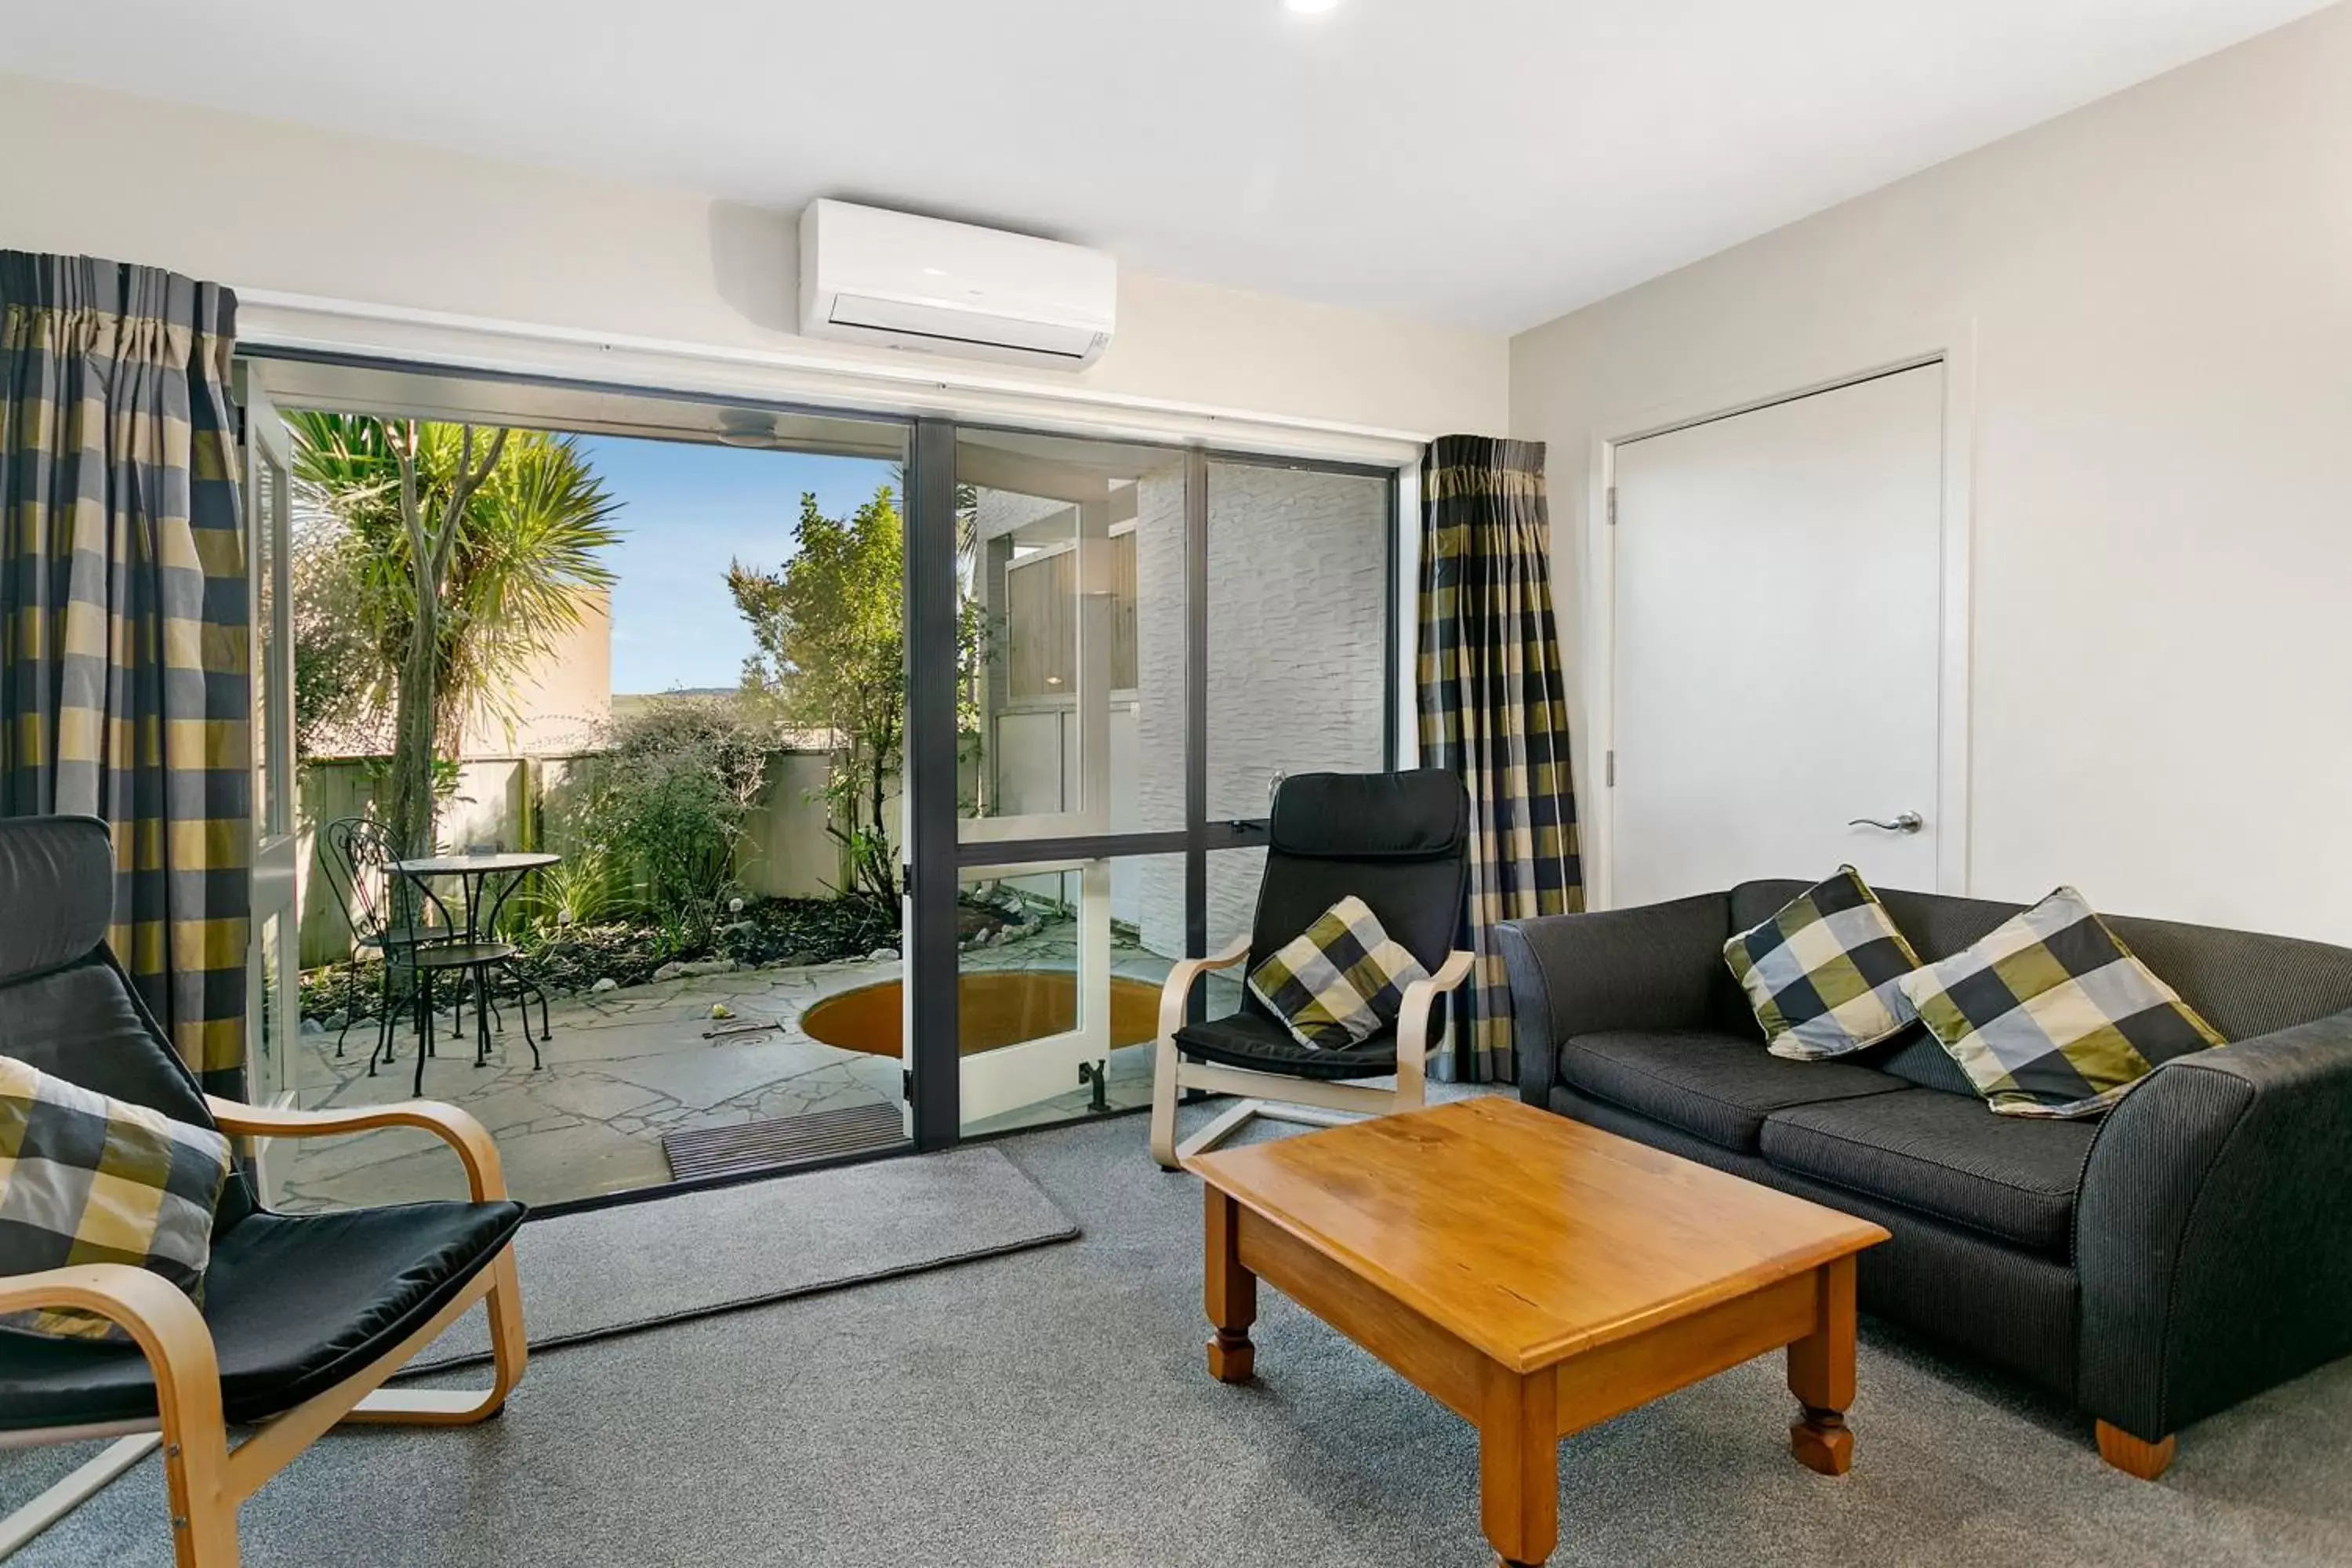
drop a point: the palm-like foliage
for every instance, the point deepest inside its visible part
(479, 549)
(529, 545)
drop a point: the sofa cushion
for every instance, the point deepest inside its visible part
(2051, 1015)
(1341, 981)
(1821, 972)
(1253, 1041)
(1943, 1155)
(1716, 1086)
(86, 1178)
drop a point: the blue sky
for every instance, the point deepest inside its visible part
(686, 511)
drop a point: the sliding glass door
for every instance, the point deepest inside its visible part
(873, 775)
(1135, 643)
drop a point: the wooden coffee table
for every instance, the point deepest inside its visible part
(1535, 1276)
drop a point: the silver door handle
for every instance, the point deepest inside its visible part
(1909, 822)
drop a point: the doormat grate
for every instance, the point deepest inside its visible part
(785, 1140)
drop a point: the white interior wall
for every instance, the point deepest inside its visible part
(2158, 290)
(262, 205)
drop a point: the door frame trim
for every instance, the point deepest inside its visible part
(1957, 349)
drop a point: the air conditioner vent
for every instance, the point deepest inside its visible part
(878, 276)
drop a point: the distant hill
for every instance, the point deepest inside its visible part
(625, 703)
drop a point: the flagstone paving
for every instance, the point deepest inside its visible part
(625, 1067)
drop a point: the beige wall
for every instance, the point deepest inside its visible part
(262, 205)
(2160, 290)
(562, 700)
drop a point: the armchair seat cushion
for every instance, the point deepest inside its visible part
(1250, 1040)
(1946, 1155)
(295, 1304)
(1716, 1086)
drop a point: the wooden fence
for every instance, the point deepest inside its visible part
(518, 803)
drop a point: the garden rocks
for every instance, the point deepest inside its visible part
(675, 970)
(884, 955)
(607, 984)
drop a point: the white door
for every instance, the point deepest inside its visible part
(1043, 584)
(1776, 623)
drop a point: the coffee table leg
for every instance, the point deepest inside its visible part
(1232, 1292)
(1519, 1464)
(1821, 1374)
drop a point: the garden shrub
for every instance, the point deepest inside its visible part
(672, 800)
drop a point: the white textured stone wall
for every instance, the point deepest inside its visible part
(1298, 653)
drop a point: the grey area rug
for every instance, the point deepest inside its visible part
(641, 1264)
(1051, 1408)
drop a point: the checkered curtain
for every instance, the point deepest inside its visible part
(1494, 707)
(123, 629)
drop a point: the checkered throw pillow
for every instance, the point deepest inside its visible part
(1340, 981)
(2052, 1015)
(88, 1179)
(1821, 973)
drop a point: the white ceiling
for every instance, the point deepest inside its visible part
(1486, 162)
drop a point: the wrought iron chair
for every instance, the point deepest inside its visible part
(420, 941)
(1399, 841)
(380, 908)
(304, 1317)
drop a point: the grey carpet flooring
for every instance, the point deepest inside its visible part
(1050, 1407)
(639, 1264)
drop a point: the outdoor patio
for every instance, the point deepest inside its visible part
(625, 1067)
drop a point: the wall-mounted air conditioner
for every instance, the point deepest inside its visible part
(876, 276)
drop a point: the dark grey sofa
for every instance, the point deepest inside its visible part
(2189, 1249)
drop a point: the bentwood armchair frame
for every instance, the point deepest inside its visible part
(304, 1317)
(206, 1480)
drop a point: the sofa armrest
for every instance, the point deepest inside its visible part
(2211, 1234)
(1653, 967)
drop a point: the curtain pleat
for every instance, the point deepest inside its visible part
(123, 617)
(1494, 709)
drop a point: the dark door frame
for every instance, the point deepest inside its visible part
(936, 854)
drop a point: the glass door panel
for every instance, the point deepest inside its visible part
(1059, 970)
(1071, 622)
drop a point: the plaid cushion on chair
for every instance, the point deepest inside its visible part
(1341, 981)
(2052, 1015)
(1821, 972)
(86, 1179)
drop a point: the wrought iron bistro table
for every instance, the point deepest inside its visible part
(475, 955)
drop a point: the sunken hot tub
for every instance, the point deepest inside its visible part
(993, 1008)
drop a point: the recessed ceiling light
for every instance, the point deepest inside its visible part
(1310, 7)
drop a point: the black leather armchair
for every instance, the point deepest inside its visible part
(304, 1317)
(1399, 841)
